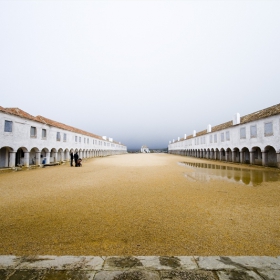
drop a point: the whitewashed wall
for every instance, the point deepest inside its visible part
(20, 138)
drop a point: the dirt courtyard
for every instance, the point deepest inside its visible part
(135, 204)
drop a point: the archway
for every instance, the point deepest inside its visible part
(270, 156)
(245, 155)
(256, 156)
(6, 157)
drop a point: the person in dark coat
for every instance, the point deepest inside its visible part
(76, 157)
(71, 158)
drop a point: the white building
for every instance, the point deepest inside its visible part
(27, 140)
(145, 149)
(251, 139)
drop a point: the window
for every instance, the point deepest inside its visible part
(84, 140)
(33, 132)
(268, 129)
(58, 136)
(88, 141)
(80, 139)
(8, 126)
(44, 133)
(222, 137)
(76, 138)
(215, 138)
(253, 131)
(211, 140)
(64, 137)
(227, 136)
(243, 133)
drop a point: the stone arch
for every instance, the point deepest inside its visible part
(66, 154)
(34, 156)
(60, 155)
(235, 155)
(7, 155)
(256, 156)
(208, 153)
(270, 157)
(222, 154)
(217, 154)
(212, 153)
(228, 155)
(245, 155)
(53, 155)
(21, 156)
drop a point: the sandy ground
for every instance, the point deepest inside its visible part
(135, 204)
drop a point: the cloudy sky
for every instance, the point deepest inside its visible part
(142, 72)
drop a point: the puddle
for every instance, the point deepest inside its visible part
(206, 172)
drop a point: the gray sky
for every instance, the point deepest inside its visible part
(142, 72)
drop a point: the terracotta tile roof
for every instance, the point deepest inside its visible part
(267, 112)
(41, 119)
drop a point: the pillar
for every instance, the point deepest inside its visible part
(265, 158)
(48, 157)
(26, 159)
(54, 156)
(61, 156)
(252, 158)
(38, 158)
(242, 157)
(12, 159)
(227, 156)
(233, 156)
(278, 159)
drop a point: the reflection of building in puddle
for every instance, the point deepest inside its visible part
(207, 172)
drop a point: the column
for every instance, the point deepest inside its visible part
(54, 156)
(278, 159)
(38, 158)
(48, 154)
(252, 157)
(26, 159)
(61, 156)
(227, 156)
(241, 157)
(233, 156)
(265, 158)
(67, 156)
(12, 159)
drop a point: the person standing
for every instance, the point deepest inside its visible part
(71, 158)
(76, 156)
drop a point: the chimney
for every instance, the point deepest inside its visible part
(194, 133)
(104, 137)
(185, 136)
(236, 119)
(178, 138)
(209, 128)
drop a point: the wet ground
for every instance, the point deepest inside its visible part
(209, 171)
(140, 204)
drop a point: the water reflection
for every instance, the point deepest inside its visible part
(206, 172)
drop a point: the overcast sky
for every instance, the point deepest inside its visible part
(142, 72)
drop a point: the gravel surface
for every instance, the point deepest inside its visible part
(135, 204)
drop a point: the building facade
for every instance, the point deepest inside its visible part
(145, 149)
(251, 139)
(27, 140)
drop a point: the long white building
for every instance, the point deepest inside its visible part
(252, 139)
(27, 140)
